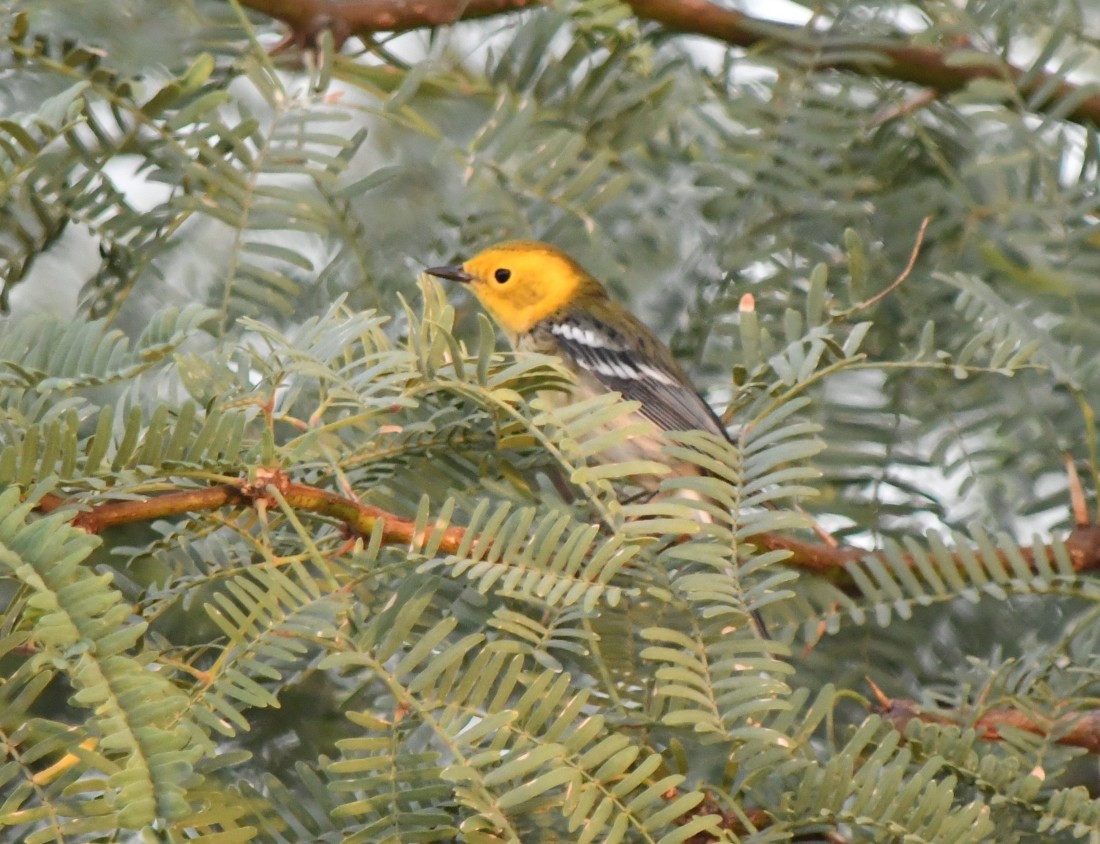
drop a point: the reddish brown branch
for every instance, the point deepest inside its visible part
(113, 513)
(925, 66)
(360, 518)
(306, 18)
(1083, 545)
(929, 67)
(819, 558)
(1076, 729)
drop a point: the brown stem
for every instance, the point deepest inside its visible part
(930, 67)
(113, 513)
(306, 17)
(1082, 544)
(1076, 729)
(819, 558)
(360, 518)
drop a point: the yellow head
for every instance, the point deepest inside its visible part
(521, 282)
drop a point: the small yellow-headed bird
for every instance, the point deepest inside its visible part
(546, 302)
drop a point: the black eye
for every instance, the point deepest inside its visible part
(502, 275)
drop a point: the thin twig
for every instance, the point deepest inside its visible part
(904, 109)
(882, 294)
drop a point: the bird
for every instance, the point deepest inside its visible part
(544, 301)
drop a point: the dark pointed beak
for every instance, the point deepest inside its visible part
(453, 273)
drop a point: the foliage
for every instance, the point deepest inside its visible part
(210, 255)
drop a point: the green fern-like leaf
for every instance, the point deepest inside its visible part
(85, 631)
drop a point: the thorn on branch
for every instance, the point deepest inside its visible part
(306, 34)
(1076, 494)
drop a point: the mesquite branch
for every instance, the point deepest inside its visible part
(935, 69)
(1075, 729)
(819, 558)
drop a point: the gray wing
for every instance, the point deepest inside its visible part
(665, 398)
